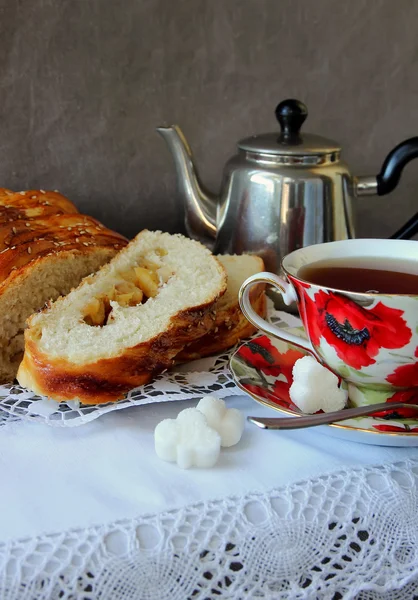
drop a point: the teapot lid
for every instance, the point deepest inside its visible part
(290, 142)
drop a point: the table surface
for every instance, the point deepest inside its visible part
(91, 512)
(55, 479)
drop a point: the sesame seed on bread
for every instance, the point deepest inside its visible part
(46, 248)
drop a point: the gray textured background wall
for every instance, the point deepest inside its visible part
(83, 83)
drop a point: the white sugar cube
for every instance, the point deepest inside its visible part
(187, 440)
(228, 422)
(315, 387)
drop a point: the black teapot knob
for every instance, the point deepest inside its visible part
(291, 115)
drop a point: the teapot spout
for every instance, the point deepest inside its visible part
(200, 205)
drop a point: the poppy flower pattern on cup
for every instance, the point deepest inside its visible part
(405, 375)
(404, 396)
(356, 333)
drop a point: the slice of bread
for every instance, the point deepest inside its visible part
(124, 324)
(230, 325)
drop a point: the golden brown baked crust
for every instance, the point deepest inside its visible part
(109, 379)
(39, 223)
(229, 327)
(32, 204)
(42, 234)
(22, 242)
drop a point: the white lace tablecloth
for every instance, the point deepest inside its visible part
(91, 513)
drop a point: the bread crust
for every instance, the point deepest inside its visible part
(108, 380)
(32, 204)
(37, 229)
(23, 242)
(229, 327)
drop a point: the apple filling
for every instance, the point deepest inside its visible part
(134, 287)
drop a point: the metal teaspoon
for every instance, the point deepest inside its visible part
(326, 418)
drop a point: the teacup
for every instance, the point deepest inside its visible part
(369, 339)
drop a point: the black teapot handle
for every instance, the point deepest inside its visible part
(408, 230)
(394, 164)
(389, 177)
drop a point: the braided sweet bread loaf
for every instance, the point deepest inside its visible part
(46, 248)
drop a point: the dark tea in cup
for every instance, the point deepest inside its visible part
(364, 275)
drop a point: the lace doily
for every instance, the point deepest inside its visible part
(348, 535)
(190, 381)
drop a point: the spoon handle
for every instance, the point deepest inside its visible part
(326, 418)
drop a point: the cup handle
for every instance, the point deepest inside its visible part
(289, 295)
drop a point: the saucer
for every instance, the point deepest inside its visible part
(263, 367)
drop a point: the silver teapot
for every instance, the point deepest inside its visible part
(281, 191)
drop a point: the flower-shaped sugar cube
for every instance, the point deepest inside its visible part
(228, 422)
(315, 387)
(187, 440)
